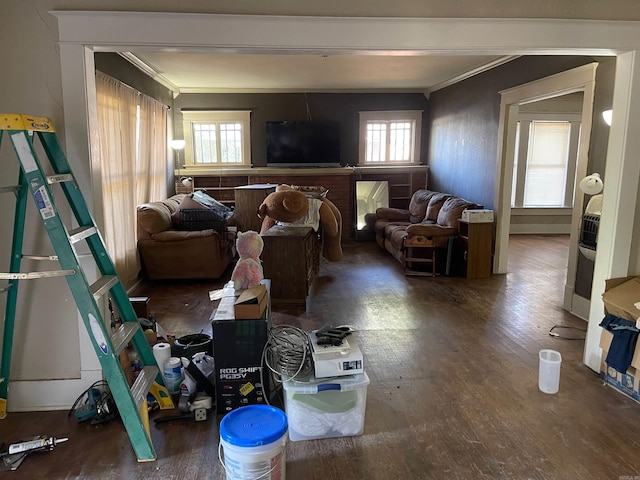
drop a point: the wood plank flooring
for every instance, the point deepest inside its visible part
(453, 365)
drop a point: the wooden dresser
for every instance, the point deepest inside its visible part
(290, 258)
(247, 199)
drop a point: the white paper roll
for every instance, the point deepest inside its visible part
(162, 353)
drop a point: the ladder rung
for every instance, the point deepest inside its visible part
(5, 289)
(35, 275)
(143, 383)
(10, 189)
(80, 233)
(63, 177)
(123, 335)
(41, 257)
(53, 258)
(102, 285)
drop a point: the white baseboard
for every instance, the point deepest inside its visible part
(44, 395)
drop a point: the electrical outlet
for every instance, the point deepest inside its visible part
(200, 414)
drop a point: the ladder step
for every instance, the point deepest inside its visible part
(102, 285)
(80, 233)
(10, 189)
(63, 177)
(123, 335)
(5, 289)
(143, 383)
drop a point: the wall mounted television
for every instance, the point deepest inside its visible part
(303, 144)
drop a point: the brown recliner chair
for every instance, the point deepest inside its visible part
(167, 253)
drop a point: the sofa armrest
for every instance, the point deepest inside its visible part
(427, 230)
(397, 214)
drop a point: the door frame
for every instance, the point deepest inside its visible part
(580, 79)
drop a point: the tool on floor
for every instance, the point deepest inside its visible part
(66, 241)
(43, 443)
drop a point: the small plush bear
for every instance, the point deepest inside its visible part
(248, 271)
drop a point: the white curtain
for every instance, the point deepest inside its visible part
(132, 163)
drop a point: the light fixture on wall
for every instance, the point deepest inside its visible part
(591, 184)
(607, 114)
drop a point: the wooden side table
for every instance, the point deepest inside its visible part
(247, 200)
(476, 241)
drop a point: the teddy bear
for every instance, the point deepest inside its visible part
(248, 270)
(291, 206)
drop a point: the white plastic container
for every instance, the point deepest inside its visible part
(253, 442)
(326, 408)
(549, 371)
(173, 374)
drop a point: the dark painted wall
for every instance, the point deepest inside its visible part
(114, 65)
(464, 123)
(342, 107)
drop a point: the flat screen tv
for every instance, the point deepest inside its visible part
(303, 144)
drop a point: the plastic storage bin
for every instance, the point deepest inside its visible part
(326, 408)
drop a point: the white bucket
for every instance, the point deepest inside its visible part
(549, 371)
(253, 440)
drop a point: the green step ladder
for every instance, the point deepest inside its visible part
(131, 401)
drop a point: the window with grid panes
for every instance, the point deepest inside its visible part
(217, 138)
(391, 137)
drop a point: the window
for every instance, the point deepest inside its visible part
(390, 137)
(546, 155)
(217, 138)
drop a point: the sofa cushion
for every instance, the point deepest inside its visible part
(154, 217)
(418, 204)
(175, 235)
(451, 211)
(433, 209)
(395, 233)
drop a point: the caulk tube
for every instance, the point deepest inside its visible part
(40, 444)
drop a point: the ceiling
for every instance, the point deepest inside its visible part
(326, 72)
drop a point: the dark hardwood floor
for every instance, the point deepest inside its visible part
(453, 365)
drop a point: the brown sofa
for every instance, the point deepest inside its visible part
(431, 217)
(169, 253)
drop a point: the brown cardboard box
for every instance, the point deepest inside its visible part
(251, 304)
(619, 298)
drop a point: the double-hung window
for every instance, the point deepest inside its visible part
(545, 166)
(390, 138)
(217, 138)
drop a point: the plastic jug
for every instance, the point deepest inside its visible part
(549, 371)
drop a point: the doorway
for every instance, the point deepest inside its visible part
(581, 79)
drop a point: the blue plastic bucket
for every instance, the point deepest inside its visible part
(253, 442)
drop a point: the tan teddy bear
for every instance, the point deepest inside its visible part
(288, 205)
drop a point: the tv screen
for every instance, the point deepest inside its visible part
(303, 144)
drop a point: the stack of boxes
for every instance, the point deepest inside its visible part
(332, 401)
(620, 298)
(239, 329)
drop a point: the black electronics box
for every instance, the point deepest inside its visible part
(237, 353)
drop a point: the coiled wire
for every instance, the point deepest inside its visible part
(287, 353)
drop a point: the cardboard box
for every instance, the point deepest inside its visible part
(619, 298)
(251, 304)
(477, 216)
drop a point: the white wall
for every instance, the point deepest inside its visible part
(48, 344)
